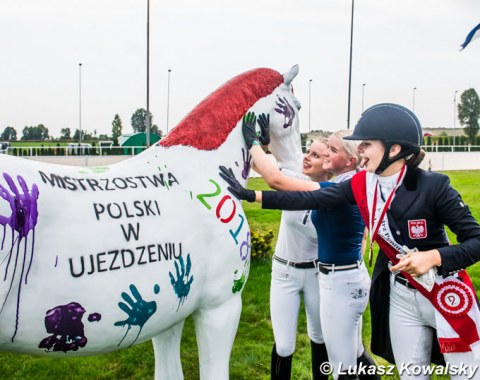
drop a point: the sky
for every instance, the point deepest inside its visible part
(398, 45)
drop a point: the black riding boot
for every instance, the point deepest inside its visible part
(365, 360)
(281, 367)
(319, 356)
(347, 377)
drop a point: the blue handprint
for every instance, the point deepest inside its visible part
(284, 108)
(22, 220)
(139, 311)
(181, 284)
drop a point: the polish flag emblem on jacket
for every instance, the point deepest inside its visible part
(417, 229)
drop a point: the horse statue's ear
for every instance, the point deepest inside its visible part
(290, 75)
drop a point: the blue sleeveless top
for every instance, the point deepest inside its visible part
(339, 233)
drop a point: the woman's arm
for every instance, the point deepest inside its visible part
(274, 177)
(334, 196)
(262, 163)
(452, 212)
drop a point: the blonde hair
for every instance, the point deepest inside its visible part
(351, 146)
(320, 139)
(324, 141)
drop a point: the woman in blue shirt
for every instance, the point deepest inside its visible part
(343, 277)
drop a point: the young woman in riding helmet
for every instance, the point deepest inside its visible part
(423, 305)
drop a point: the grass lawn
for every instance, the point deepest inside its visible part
(250, 357)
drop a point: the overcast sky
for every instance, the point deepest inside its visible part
(397, 45)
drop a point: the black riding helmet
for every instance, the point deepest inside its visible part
(391, 124)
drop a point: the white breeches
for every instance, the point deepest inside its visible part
(343, 299)
(287, 286)
(412, 325)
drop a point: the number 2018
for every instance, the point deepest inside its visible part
(226, 218)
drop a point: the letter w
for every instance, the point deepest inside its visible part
(131, 231)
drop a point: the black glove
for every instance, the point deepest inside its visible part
(264, 123)
(248, 128)
(235, 187)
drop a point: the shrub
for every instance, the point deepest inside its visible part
(261, 243)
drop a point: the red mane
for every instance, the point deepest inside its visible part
(208, 125)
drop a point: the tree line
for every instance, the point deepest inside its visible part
(468, 111)
(40, 132)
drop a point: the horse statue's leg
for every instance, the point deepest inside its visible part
(166, 347)
(215, 329)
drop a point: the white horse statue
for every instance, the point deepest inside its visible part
(97, 259)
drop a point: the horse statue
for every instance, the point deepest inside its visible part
(95, 259)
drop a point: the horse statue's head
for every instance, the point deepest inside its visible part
(283, 108)
(218, 118)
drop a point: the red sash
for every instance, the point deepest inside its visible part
(456, 316)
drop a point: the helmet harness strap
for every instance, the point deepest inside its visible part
(387, 161)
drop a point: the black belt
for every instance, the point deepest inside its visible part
(402, 280)
(328, 268)
(303, 265)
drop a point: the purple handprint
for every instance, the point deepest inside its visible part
(246, 163)
(65, 324)
(22, 220)
(284, 108)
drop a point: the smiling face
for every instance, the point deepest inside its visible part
(340, 158)
(313, 162)
(371, 152)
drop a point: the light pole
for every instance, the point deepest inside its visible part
(455, 110)
(168, 96)
(413, 100)
(454, 116)
(80, 103)
(147, 121)
(363, 96)
(309, 104)
(350, 67)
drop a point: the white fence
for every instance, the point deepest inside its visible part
(72, 150)
(83, 156)
(444, 161)
(438, 161)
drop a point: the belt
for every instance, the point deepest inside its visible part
(303, 265)
(328, 268)
(402, 280)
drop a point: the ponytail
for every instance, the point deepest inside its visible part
(414, 160)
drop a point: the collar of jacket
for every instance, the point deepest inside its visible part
(411, 178)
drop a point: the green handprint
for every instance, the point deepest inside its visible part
(181, 284)
(139, 311)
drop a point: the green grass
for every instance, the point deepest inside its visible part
(250, 357)
(37, 143)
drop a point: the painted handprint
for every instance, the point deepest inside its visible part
(64, 323)
(239, 282)
(22, 220)
(181, 284)
(284, 108)
(246, 163)
(138, 310)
